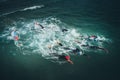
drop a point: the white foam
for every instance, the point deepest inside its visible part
(8, 13)
(35, 42)
(74, 33)
(32, 7)
(25, 9)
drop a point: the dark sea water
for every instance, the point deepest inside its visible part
(100, 17)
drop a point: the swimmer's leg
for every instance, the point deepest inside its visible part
(104, 49)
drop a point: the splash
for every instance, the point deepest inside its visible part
(45, 41)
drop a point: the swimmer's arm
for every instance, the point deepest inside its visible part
(71, 62)
(103, 49)
(41, 26)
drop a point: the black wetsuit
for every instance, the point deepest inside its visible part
(93, 47)
(76, 50)
(60, 44)
(64, 30)
(41, 26)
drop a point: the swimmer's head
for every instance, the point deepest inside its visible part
(36, 23)
(49, 46)
(80, 53)
(57, 41)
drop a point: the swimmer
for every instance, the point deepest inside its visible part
(95, 38)
(66, 57)
(64, 30)
(89, 38)
(37, 25)
(95, 47)
(77, 51)
(14, 34)
(63, 57)
(59, 43)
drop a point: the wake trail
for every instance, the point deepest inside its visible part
(24, 9)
